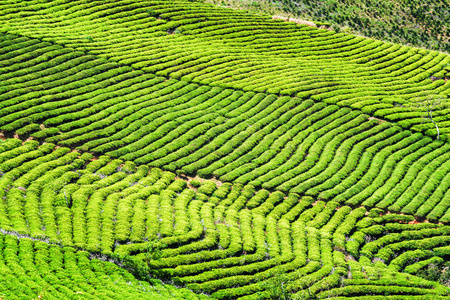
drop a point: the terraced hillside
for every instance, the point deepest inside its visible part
(228, 240)
(329, 174)
(218, 47)
(265, 140)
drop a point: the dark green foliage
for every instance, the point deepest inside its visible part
(438, 271)
(417, 23)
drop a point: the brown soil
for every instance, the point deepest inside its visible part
(189, 179)
(417, 222)
(298, 21)
(378, 120)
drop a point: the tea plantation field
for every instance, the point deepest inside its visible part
(227, 154)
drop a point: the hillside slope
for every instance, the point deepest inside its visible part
(265, 140)
(231, 241)
(221, 47)
(332, 182)
(422, 24)
(34, 269)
